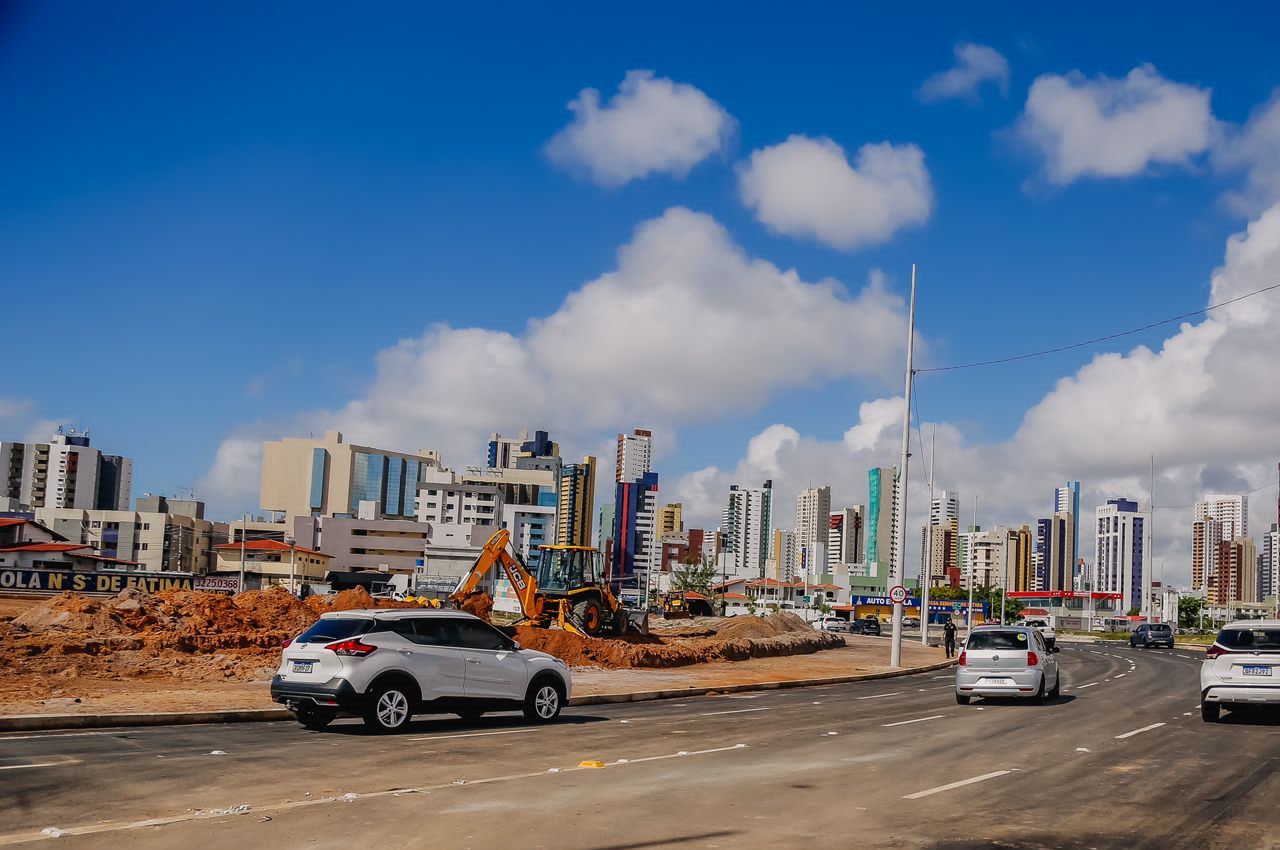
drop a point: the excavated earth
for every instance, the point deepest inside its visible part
(191, 637)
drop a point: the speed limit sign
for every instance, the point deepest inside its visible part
(897, 594)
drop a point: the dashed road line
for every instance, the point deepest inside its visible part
(471, 735)
(66, 762)
(1082, 687)
(1133, 732)
(880, 696)
(916, 720)
(951, 786)
(733, 711)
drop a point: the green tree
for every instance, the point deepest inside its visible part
(694, 576)
(1189, 610)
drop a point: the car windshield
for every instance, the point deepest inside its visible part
(1036, 623)
(335, 628)
(1250, 638)
(997, 640)
(1161, 629)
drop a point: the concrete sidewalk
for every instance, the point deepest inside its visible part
(862, 659)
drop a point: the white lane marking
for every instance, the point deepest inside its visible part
(4, 738)
(472, 735)
(917, 720)
(1082, 687)
(951, 786)
(880, 696)
(1133, 732)
(212, 814)
(1187, 713)
(734, 711)
(744, 696)
(60, 763)
(1121, 675)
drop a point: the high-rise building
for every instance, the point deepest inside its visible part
(882, 514)
(1054, 556)
(329, 477)
(942, 554)
(782, 553)
(636, 543)
(576, 502)
(1236, 578)
(1269, 578)
(844, 537)
(1217, 519)
(65, 472)
(1120, 563)
(1023, 542)
(813, 507)
(747, 523)
(670, 519)
(635, 455)
(944, 508)
(989, 558)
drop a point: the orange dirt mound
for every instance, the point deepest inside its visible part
(480, 604)
(731, 639)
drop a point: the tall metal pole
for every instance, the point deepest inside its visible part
(244, 532)
(895, 653)
(926, 573)
(968, 556)
(1148, 553)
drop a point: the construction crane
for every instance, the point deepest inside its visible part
(567, 588)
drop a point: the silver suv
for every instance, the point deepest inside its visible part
(387, 665)
(1241, 668)
(1007, 661)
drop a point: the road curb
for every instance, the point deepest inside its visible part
(52, 722)
(47, 722)
(703, 690)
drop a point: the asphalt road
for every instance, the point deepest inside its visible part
(1121, 761)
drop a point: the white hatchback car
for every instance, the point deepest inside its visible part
(1241, 668)
(1007, 661)
(386, 665)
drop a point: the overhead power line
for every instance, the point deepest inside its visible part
(1094, 341)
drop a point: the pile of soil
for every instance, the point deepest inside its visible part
(712, 639)
(182, 635)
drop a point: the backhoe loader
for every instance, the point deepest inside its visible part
(567, 588)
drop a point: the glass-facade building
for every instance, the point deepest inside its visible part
(390, 482)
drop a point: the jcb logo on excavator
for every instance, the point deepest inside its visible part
(519, 580)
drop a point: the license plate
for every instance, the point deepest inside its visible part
(303, 666)
(1256, 670)
(999, 682)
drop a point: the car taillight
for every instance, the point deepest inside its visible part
(963, 659)
(1214, 651)
(286, 644)
(350, 647)
(1032, 659)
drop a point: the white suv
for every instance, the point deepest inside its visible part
(387, 665)
(1241, 668)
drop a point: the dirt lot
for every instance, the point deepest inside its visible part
(196, 651)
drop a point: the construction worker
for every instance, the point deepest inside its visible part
(949, 637)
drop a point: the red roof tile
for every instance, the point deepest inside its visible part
(45, 547)
(6, 521)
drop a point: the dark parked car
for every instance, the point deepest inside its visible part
(1152, 634)
(867, 626)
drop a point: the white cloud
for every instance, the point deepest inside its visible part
(231, 485)
(20, 421)
(653, 125)
(1254, 147)
(687, 327)
(1204, 404)
(1107, 127)
(806, 187)
(975, 65)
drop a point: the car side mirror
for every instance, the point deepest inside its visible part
(1057, 649)
(515, 644)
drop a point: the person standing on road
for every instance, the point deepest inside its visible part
(949, 637)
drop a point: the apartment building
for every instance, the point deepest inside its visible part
(66, 472)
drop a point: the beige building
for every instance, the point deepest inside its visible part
(576, 502)
(159, 540)
(669, 519)
(268, 563)
(329, 477)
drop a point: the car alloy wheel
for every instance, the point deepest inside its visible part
(546, 702)
(389, 710)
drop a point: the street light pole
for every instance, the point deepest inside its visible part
(926, 572)
(293, 587)
(244, 532)
(898, 572)
(968, 554)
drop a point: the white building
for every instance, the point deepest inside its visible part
(945, 508)
(1231, 511)
(844, 537)
(812, 509)
(444, 498)
(65, 472)
(531, 526)
(782, 554)
(635, 455)
(1218, 519)
(747, 521)
(1269, 577)
(1120, 553)
(160, 540)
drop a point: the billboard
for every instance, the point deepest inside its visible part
(56, 581)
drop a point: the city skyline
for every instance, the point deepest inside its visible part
(569, 271)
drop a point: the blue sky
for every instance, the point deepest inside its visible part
(216, 218)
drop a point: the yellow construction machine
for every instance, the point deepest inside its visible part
(567, 588)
